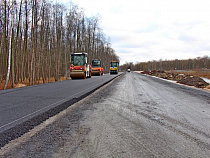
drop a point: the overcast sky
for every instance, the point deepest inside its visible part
(143, 30)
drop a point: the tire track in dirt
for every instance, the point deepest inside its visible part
(144, 142)
(174, 125)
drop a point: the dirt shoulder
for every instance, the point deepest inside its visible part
(180, 78)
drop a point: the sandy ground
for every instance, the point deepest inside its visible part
(134, 116)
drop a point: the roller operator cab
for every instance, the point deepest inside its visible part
(114, 67)
(79, 66)
(97, 69)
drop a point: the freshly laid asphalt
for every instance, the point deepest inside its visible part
(20, 105)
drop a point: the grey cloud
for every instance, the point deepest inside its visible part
(149, 28)
(186, 38)
(188, 25)
(144, 45)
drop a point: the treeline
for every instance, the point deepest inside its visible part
(188, 64)
(37, 37)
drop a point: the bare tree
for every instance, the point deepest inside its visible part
(10, 46)
(37, 38)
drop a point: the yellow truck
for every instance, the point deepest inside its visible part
(114, 67)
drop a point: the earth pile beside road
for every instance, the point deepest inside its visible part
(189, 80)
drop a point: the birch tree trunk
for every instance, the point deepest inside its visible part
(10, 46)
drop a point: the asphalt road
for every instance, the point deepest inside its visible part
(22, 104)
(133, 116)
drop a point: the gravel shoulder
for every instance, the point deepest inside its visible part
(133, 116)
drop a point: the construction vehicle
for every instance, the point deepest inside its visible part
(97, 69)
(79, 66)
(114, 67)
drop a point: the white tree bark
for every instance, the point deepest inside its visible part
(10, 46)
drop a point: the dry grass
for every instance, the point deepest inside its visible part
(26, 82)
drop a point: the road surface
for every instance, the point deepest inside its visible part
(134, 116)
(23, 108)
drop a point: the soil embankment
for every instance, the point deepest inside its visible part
(189, 80)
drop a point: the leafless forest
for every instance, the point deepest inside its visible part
(199, 63)
(38, 36)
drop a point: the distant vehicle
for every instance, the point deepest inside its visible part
(79, 66)
(114, 67)
(97, 69)
(129, 70)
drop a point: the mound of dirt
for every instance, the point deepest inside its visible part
(193, 81)
(180, 78)
(145, 72)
